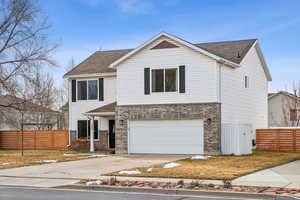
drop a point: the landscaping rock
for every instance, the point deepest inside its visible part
(211, 185)
(155, 185)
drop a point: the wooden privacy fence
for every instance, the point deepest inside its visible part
(283, 139)
(34, 139)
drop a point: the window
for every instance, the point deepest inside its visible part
(157, 80)
(87, 90)
(84, 129)
(82, 91)
(164, 80)
(246, 82)
(293, 115)
(171, 80)
(93, 89)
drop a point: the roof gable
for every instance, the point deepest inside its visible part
(178, 40)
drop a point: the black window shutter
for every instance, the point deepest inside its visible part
(147, 80)
(73, 90)
(182, 79)
(101, 89)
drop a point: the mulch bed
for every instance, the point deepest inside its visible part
(180, 185)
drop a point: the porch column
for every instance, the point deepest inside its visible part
(92, 147)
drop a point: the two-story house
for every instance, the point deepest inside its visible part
(168, 96)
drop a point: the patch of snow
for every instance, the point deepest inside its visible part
(131, 172)
(150, 169)
(171, 165)
(98, 182)
(47, 161)
(200, 157)
(4, 163)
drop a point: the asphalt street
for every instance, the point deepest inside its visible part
(19, 193)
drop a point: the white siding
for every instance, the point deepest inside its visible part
(201, 76)
(242, 105)
(78, 108)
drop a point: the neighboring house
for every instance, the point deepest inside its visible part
(168, 96)
(35, 117)
(284, 109)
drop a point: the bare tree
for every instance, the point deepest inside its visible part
(62, 91)
(23, 44)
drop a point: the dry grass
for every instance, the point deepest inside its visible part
(220, 167)
(13, 158)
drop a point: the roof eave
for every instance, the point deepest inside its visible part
(91, 75)
(99, 114)
(262, 58)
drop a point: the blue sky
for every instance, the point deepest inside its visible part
(84, 26)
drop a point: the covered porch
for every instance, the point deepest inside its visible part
(102, 136)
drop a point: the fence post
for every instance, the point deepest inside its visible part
(52, 139)
(278, 139)
(294, 140)
(34, 140)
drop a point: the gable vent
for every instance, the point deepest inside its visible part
(165, 45)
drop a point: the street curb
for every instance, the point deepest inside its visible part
(178, 192)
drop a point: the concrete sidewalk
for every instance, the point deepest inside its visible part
(287, 175)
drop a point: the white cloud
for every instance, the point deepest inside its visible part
(135, 6)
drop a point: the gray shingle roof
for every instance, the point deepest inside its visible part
(99, 61)
(234, 51)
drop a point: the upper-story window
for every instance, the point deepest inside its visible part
(87, 90)
(164, 80)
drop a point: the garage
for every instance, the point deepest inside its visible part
(166, 137)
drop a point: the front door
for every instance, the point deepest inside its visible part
(111, 134)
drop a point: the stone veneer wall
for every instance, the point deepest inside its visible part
(210, 113)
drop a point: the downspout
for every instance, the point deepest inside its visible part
(220, 80)
(69, 117)
(220, 99)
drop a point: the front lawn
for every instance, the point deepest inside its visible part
(219, 167)
(13, 158)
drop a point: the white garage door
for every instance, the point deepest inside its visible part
(166, 137)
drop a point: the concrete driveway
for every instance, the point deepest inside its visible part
(287, 175)
(56, 174)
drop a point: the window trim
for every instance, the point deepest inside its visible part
(164, 79)
(87, 89)
(87, 127)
